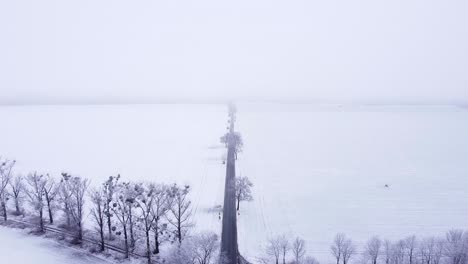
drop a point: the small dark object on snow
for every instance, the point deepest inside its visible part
(386, 186)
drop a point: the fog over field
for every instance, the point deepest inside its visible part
(317, 170)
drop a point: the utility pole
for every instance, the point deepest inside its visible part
(229, 246)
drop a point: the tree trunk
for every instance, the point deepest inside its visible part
(109, 225)
(284, 258)
(179, 232)
(18, 211)
(125, 240)
(80, 231)
(156, 239)
(148, 246)
(51, 218)
(101, 231)
(67, 212)
(132, 238)
(41, 221)
(238, 204)
(5, 216)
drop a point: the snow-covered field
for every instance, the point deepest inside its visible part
(317, 170)
(17, 247)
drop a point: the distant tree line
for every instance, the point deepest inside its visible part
(449, 249)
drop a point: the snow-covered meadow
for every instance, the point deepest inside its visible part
(317, 170)
(19, 247)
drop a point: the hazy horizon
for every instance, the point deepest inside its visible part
(333, 51)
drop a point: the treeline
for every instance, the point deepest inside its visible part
(140, 215)
(449, 249)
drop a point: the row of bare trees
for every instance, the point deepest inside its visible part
(148, 212)
(281, 249)
(144, 213)
(451, 249)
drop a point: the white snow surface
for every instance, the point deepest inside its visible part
(317, 170)
(17, 247)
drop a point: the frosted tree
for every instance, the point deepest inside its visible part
(456, 246)
(398, 252)
(205, 247)
(284, 247)
(387, 250)
(131, 193)
(6, 168)
(51, 191)
(298, 250)
(121, 209)
(109, 187)
(337, 246)
(65, 197)
(152, 200)
(273, 248)
(98, 201)
(17, 192)
(243, 190)
(372, 249)
(161, 205)
(348, 250)
(78, 190)
(144, 201)
(180, 211)
(35, 194)
(431, 250)
(410, 243)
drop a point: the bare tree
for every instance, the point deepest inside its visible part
(337, 246)
(152, 200)
(144, 201)
(98, 200)
(298, 249)
(180, 211)
(131, 198)
(348, 250)
(109, 187)
(17, 189)
(387, 248)
(159, 209)
(78, 190)
(439, 251)
(120, 208)
(6, 167)
(430, 250)
(65, 194)
(398, 252)
(456, 246)
(50, 192)
(372, 249)
(284, 247)
(410, 243)
(36, 195)
(243, 190)
(273, 248)
(205, 248)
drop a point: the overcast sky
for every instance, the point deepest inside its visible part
(215, 49)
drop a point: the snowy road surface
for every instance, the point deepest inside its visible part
(316, 170)
(17, 247)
